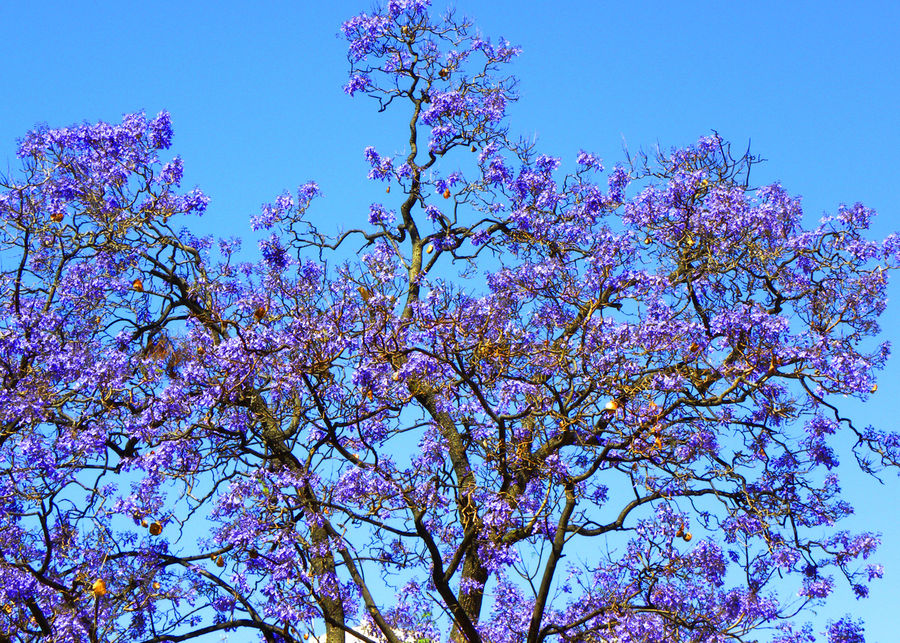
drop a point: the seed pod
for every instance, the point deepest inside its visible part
(474, 149)
(252, 554)
(874, 387)
(444, 72)
(612, 405)
(137, 285)
(156, 584)
(446, 193)
(155, 528)
(98, 589)
(396, 376)
(220, 562)
(365, 293)
(56, 217)
(260, 313)
(144, 524)
(429, 248)
(687, 536)
(680, 532)
(387, 190)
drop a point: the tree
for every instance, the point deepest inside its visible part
(533, 409)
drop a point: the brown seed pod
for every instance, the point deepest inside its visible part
(387, 190)
(260, 313)
(144, 524)
(220, 562)
(156, 584)
(612, 405)
(98, 589)
(444, 72)
(155, 528)
(252, 554)
(680, 532)
(429, 248)
(56, 217)
(137, 285)
(365, 293)
(687, 536)
(446, 193)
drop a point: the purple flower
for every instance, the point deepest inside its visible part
(379, 216)
(161, 131)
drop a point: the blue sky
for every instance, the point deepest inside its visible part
(255, 94)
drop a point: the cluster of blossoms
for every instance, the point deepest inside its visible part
(526, 374)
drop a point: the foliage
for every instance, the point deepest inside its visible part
(533, 408)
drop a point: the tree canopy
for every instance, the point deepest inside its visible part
(519, 403)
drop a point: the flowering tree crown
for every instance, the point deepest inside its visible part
(538, 407)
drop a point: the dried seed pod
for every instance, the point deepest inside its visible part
(446, 193)
(260, 313)
(612, 405)
(155, 528)
(387, 190)
(156, 584)
(137, 285)
(687, 536)
(98, 589)
(56, 217)
(680, 532)
(220, 562)
(429, 248)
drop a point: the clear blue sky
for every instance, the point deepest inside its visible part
(255, 94)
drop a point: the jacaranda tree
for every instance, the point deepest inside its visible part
(531, 409)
